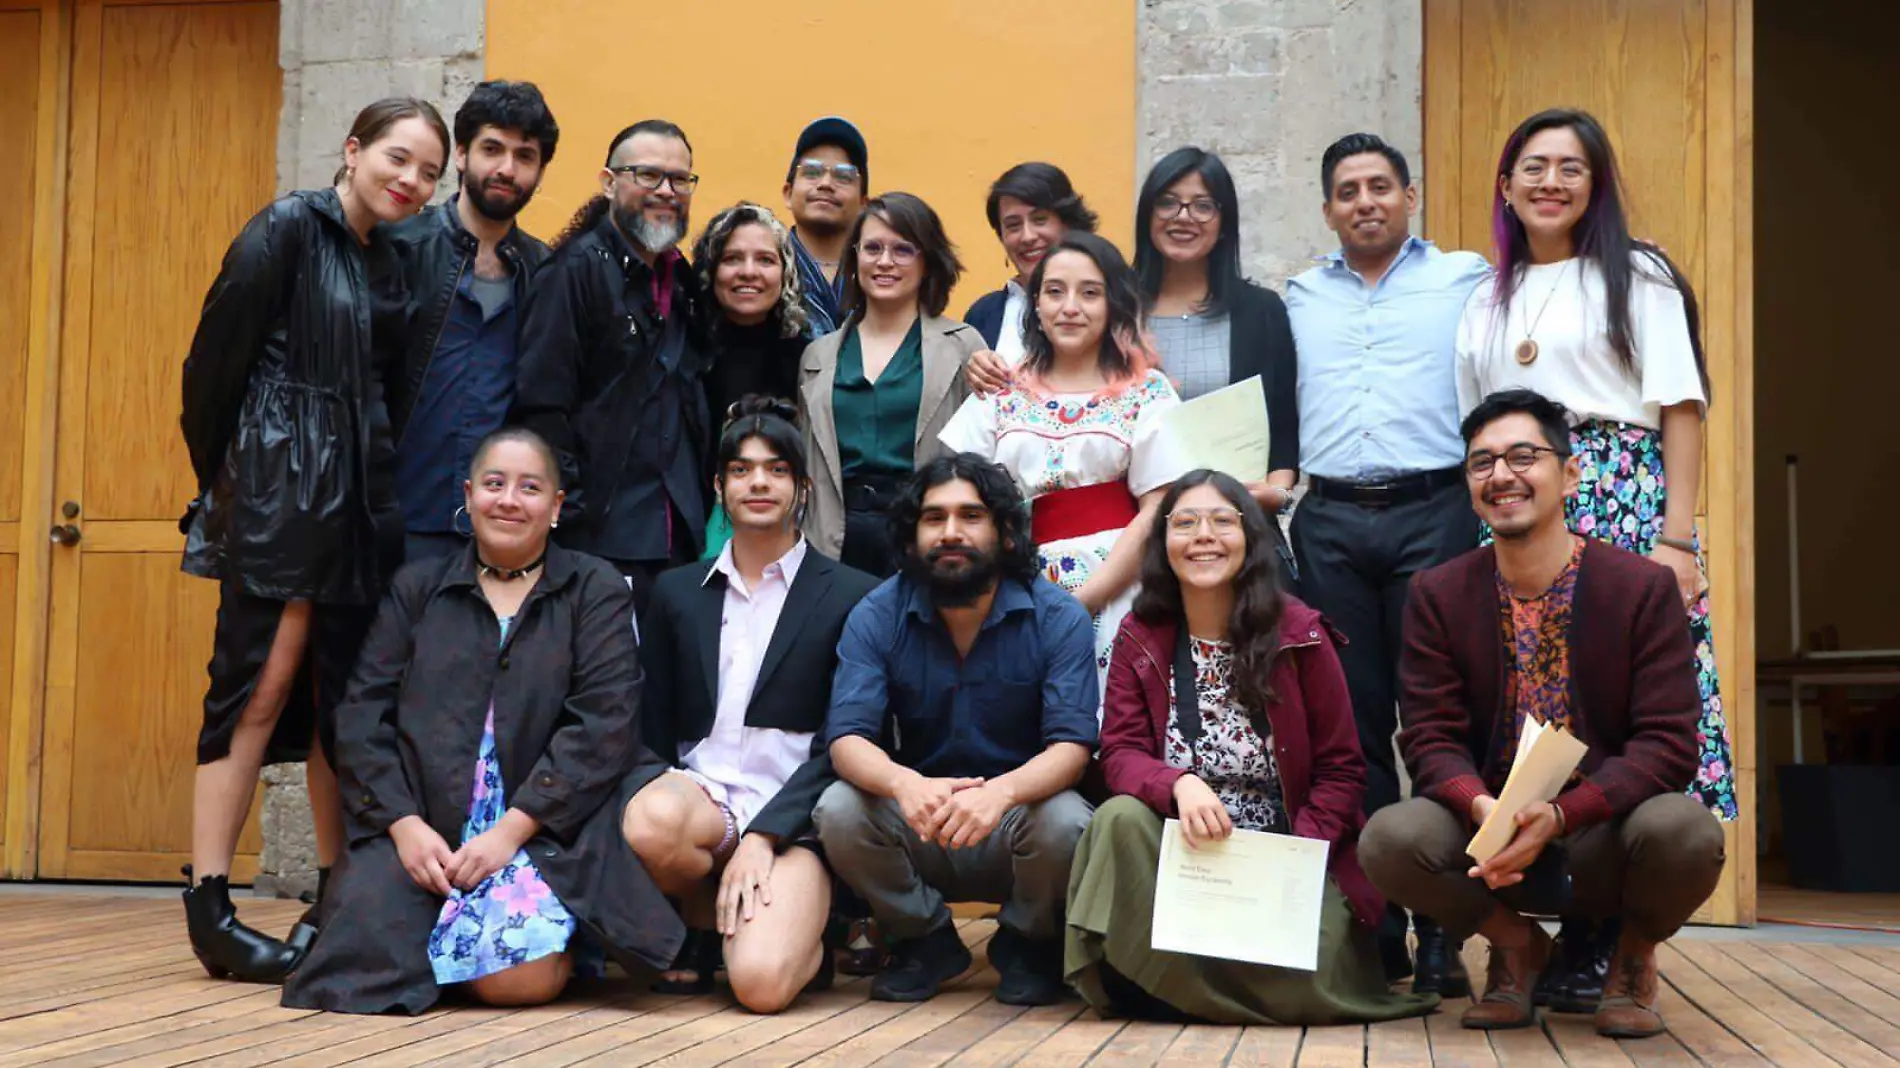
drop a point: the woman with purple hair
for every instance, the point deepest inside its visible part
(1607, 326)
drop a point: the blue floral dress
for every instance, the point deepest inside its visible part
(512, 917)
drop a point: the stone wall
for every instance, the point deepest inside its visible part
(337, 56)
(1268, 84)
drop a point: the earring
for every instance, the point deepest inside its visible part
(455, 524)
(553, 523)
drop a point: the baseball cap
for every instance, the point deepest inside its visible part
(833, 130)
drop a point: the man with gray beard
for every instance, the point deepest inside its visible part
(609, 371)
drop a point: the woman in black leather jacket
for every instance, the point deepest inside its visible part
(290, 443)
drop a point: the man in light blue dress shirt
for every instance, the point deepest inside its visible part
(1375, 324)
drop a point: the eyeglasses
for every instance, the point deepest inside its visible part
(1520, 458)
(1200, 209)
(814, 170)
(1570, 173)
(646, 177)
(903, 253)
(1187, 521)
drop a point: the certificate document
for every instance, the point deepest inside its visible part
(1255, 897)
(1225, 430)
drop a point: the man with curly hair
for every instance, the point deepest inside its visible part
(963, 715)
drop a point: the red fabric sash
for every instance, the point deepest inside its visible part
(1084, 510)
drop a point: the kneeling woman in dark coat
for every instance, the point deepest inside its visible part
(487, 747)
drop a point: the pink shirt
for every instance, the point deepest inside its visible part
(742, 767)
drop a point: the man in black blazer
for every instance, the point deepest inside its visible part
(739, 655)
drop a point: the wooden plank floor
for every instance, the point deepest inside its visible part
(101, 979)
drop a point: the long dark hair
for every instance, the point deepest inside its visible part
(917, 223)
(1254, 628)
(1015, 544)
(1125, 354)
(1223, 261)
(1601, 236)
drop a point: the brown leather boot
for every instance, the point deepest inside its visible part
(1629, 1008)
(1509, 982)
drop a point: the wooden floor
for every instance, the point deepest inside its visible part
(1785, 904)
(103, 980)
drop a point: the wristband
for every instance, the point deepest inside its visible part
(1563, 825)
(1687, 545)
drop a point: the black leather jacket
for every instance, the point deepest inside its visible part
(436, 250)
(618, 391)
(283, 408)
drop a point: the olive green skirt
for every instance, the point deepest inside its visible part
(1109, 958)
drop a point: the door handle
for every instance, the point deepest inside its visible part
(66, 534)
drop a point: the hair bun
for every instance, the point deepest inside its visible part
(761, 404)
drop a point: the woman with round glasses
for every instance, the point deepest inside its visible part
(1608, 327)
(1226, 708)
(874, 395)
(1211, 326)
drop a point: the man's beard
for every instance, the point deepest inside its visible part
(651, 236)
(958, 587)
(489, 203)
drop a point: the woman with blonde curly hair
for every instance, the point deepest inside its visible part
(756, 331)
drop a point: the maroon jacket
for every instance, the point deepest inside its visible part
(1633, 694)
(1322, 771)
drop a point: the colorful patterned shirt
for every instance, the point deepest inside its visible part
(1536, 636)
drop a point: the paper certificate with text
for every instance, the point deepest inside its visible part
(1255, 897)
(1225, 430)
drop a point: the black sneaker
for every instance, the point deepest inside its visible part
(1028, 972)
(920, 966)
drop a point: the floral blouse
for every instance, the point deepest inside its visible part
(1230, 756)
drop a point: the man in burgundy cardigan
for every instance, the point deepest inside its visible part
(1568, 630)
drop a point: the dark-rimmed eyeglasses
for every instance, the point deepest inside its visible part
(1200, 209)
(646, 177)
(1480, 466)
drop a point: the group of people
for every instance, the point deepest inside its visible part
(960, 618)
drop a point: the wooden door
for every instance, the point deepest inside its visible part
(1673, 84)
(172, 146)
(20, 42)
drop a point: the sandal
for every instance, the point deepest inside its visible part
(699, 955)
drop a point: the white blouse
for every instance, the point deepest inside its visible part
(1561, 306)
(1067, 440)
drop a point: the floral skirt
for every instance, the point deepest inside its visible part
(1620, 500)
(1069, 563)
(512, 917)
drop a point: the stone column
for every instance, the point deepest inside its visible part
(337, 56)
(1268, 84)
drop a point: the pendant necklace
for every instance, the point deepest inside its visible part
(1527, 348)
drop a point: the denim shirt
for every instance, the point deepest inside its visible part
(465, 395)
(1028, 681)
(1379, 364)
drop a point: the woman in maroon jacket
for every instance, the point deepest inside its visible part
(1265, 742)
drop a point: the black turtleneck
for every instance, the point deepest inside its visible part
(751, 359)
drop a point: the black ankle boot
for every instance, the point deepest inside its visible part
(1440, 967)
(304, 931)
(226, 947)
(1573, 981)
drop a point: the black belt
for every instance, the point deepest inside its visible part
(1400, 490)
(872, 493)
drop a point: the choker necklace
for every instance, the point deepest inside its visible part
(488, 570)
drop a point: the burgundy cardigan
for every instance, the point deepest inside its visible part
(1633, 694)
(1322, 771)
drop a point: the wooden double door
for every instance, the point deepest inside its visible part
(1673, 83)
(139, 136)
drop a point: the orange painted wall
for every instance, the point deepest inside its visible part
(948, 94)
